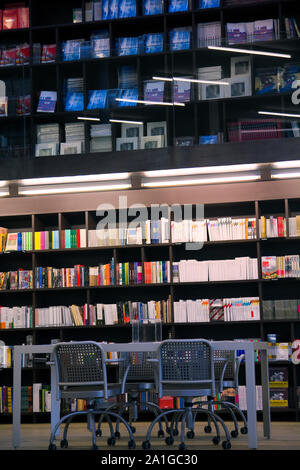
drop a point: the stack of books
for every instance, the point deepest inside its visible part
(101, 275)
(47, 140)
(129, 273)
(14, 280)
(74, 100)
(73, 238)
(157, 272)
(260, 30)
(226, 228)
(15, 317)
(18, 241)
(3, 238)
(294, 226)
(281, 309)
(50, 277)
(101, 138)
(208, 73)
(46, 240)
(59, 316)
(277, 267)
(254, 129)
(272, 227)
(74, 133)
(209, 34)
(15, 16)
(100, 44)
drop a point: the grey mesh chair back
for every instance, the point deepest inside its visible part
(80, 364)
(226, 368)
(136, 366)
(186, 362)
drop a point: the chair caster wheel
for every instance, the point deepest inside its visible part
(161, 434)
(64, 444)
(207, 429)
(182, 447)
(244, 430)
(226, 445)
(117, 435)
(98, 433)
(132, 429)
(111, 441)
(190, 434)
(234, 433)
(131, 444)
(216, 440)
(146, 445)
(52, 447)
(169, 440)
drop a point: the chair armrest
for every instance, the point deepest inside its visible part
(222, 359)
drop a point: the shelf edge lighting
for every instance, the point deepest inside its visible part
(191, 80)
(273, 113)
(28, 191)
(287, 164)
(83, 118)
(202, 170)
(198, 181)
(123, 121)
(161, 103)
(75, 179)
(285, 175)
(250, 51)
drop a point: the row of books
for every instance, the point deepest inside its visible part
(241, 268)
(15, 55)
(13, 280)
(16, 317)
(272, 227)
(14, 17)
(259, 30)
(281, 309)
(5, 357)
(280, 351)
(277, 267)
(51, 277)
(210, 310)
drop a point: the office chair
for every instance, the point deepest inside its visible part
(185, 369)
(137, 376)
(81, 374)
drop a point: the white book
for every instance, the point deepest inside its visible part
(36, 405)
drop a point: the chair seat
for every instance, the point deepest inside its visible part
(189, 390)
(90, 392)
(139, 386)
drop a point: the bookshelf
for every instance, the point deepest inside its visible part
(48, 28)
(286, 326)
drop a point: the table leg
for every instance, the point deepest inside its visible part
(265, 393)
(251, 398)
(55, 401)
(17, 399)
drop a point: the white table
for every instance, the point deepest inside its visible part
(248, 346)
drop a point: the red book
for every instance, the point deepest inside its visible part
(62, 239)
(280, 226)
(10, 18)
(1, 15)
(166, 403)
(23, 17)
(78, 238)
(22, 54)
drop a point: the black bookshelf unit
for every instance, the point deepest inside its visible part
(54, 26)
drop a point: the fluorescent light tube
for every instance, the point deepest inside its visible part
(163, 103)
(287, 175)
(271, 113)
(201, 170)
(250, 51)
(287, 164)
(165, 79)
(83, 118)
(191, 80)
(126, 122)
(196, 181)
(74, 189)
(75, 179)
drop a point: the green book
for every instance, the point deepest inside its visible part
(67, 238)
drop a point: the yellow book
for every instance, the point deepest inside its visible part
(298, 225)
(37, 240)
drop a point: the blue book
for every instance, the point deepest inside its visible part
(19, 241)
(47, 102)
(290, 73)
(209, 3)
(127, 46)
(208, 139)
(153, 7)
(130, 93)
(113, 9)
(105, 9)
(74, 101)
(97, 99)
(153, 42)
(178, 5)
(180, 39)
(127, 8)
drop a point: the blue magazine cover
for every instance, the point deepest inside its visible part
(127, 46)
(74, 101)
(209, 3)
(113, 9)
(290, 73)
(127, 8)
(97, 99)
(131, 94)
(208, 139)
(47, 102)
(179, 39)
(153, 42)
(153, 7)
(178, 5)
(105, 9)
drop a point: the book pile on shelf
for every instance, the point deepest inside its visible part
(59, 316)
(241, 399)
(129, 273)
(73, 238)
(102, 275)
(41, 398)
(209, 73)
(100, 44)
(15, 55)
(282, 309)
(279, 351)
(200, 4)
(47, 140)
(259, 30)
(242, 268)
(278, 267)
(18, 241)
(5, 357)
(254, 129)
(75, 49)
(14, 280)
(178, 5)
(75, 135)
(129, 45)
(98, 10)
(153, 7)
(182, 91)
(272, 227)
(15, 317)
(47, 101)
(152, 42)
(6, 395)
(209, 34)
(50, 277)
(211, 310)
(292, 29)
(294, 226)
(157, 272)
(46, 240)
(74, 100)
(276, 79)
(189, 231)
(180, 38)
(15, 16)
(279, 384)
(101, 138)
(227, 228)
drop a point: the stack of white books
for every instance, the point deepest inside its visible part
(243, 268)
(209, 74)
(227, 228)
(189, 231)
(241, 309)
(101, 139)
(191, 311)
(242, 400)
(209, 34)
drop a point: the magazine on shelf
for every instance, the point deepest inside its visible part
(74, 101)
(153, 42)
(97, 99)
(268, 80)
(127, 8)
(153, 7)
(131, 93)
(47, 102)
(181, 91)
(127, 46)
(154, 90)
(180, 38)
(208, 4)
(178, 5)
